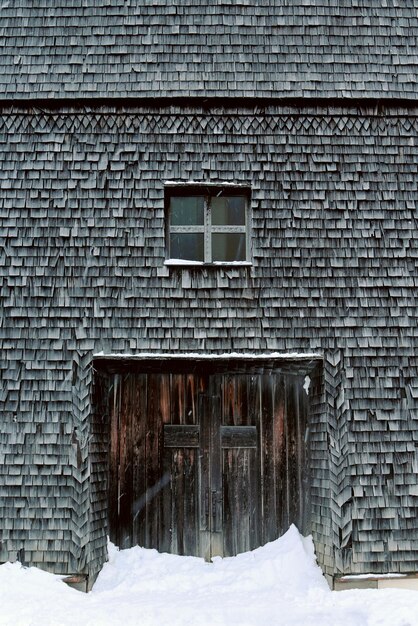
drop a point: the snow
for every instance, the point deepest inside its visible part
(277, 584)
(187, 262)
(372, 576)
(210, 357)
(203, 183)
(182, 262)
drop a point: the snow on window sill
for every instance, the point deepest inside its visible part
(186, 263)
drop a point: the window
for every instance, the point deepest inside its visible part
(207, 224)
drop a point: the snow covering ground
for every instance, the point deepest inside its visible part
(277, 584)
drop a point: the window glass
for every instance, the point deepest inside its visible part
(228, 211)
(187, 246)
(228, 247)
(186, 210)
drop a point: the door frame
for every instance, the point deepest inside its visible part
(227, 363)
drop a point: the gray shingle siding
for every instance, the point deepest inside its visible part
(261, 48)
(334, 252)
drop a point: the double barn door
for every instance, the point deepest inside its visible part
(206, 463)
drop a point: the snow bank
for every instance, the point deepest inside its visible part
(277, 584)
(287, 564)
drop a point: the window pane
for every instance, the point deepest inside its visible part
(228, 211)
(228, 247)
(187, 246)
(186, 210)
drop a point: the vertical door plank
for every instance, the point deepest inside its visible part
(279, 450)
(305, 482)
(177, 493)
(139, 459)
(292, 449)
(125, 462)
(174, 464)
(179, 499)
(190, 404)
(228, 398)
(114, 410)
(204, 478)
(164, 495)
(153, 461)
(177, 398)
(267, 478)
(184, 535)
(241, 514)
(190, 502)
(254, 419)
(216, 515)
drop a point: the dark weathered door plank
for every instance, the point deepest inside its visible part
(125, 463)
(280, 481)
(153, 461)
(114, 459)
(267, 470)
(205, 478)
(216, 513)
(139, 424)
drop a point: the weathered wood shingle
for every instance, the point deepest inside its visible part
(335, 270)
(262, 48)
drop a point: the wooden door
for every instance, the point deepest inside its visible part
(206, 464)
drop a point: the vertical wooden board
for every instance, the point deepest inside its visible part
(139, 422)
(164, 496)
(228, 494)
(305, 482)
(255, 419)
(216, 498)
(184, 526)
(177, 399)
(255, 530)
(177, 497)
(292, 445)
(227, 402)
(252, 400)
(190, 404)
(230, 502)
(242, 415)
(240, 514)
(190, 502)
(114, 411)
(240, 469)
(251, 418)
(154, 461)
(279, 451)
(165, 398)
(269, 522)
(166, 504)
(244, 471)
(204, 465)
(125, 462)
(235, 399)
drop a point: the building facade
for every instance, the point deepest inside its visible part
(208, 269)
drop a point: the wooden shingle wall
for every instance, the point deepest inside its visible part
(216, 48)
(334, 251)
